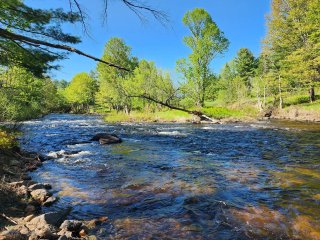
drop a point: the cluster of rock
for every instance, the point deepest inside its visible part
(39, 192)
(52, 225)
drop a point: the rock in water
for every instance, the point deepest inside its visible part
(40, 195)
(105, 138)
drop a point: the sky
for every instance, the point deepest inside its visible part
(242, 21)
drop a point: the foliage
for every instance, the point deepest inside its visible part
(7, 139)
(25, 96)
(16, 17)
(80, 92)
(245, 64)
(292, 43)
(112, 81)
(148, 81)
(228, 112)
(206, 42)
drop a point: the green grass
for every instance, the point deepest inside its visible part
(135, 116)
(224, 112)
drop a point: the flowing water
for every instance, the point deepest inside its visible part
(184, 181)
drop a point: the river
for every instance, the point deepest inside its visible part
(183, 181)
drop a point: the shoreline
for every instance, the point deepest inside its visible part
(22, 201)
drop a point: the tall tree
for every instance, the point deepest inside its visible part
(292, 42)
(246, 65)
(112, 80)
(206, 42)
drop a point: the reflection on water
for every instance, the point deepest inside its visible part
(236, 181)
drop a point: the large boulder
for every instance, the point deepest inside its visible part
(53, 218)
(105, 138)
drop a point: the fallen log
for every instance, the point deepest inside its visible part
(199, 114)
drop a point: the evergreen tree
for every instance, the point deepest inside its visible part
(245, 64)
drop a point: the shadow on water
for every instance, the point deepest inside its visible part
(170, 181)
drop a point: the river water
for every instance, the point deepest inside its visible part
(183, 181)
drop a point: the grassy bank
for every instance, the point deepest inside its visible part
(224, 113)
(295, 107)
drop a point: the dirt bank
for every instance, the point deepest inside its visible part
(297, 114)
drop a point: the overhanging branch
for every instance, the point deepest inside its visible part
(31, 41)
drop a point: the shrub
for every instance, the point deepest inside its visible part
(7, 140)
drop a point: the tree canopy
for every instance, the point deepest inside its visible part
(206, 42)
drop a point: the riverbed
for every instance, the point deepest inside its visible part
(183, 181)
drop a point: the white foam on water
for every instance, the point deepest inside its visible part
(173, 133)
(79, 154)
(56, 154)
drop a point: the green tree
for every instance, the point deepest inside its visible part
(227, 89)
(148, 81)
(80, 92)
(292, 43)
(246, 65)
(25, 96)
(206, 42)
(112, 80)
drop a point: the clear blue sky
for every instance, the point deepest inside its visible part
(242, 21)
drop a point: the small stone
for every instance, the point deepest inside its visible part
(40, 195)
(30, 209)
(71, 225)
(23, 190)
(33, 236)
(50, 201)
(92, 237)
(82, 233)
(103, 219)
(29, 217)
(46, 231)
(16, 184)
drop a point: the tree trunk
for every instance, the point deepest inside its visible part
(280, 93)
(264, 96)
(312, 95)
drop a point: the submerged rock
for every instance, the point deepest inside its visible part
(105, 138)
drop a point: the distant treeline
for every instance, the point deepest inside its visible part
(289, 65)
